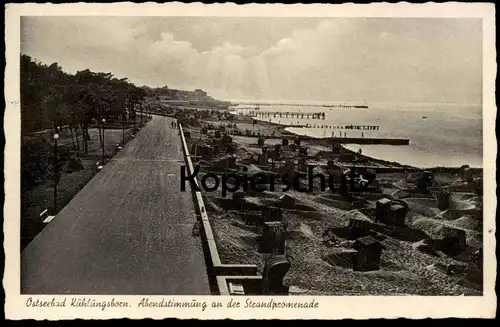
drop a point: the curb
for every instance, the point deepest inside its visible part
(216, 269)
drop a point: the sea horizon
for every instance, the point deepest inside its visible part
(352, 101)
(440, 134)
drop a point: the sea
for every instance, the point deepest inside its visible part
(440, 134)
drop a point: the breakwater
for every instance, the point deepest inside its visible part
(357, 140)
(287, 114)
(339, 140)
(311, 105)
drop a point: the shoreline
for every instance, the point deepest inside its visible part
(451, 169)
(425, 149)
(318, 223)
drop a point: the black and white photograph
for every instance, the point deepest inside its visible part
(247, 155)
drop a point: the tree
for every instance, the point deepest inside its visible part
(49, 97)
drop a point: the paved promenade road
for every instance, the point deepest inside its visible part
(128, 231)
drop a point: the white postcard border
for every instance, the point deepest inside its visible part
(329, 307)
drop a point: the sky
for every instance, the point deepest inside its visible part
(300, 59)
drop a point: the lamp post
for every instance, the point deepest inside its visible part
(56, 171)
(123, 130)
(123, 124)
(102, 158)
(132, 107)
(141, 111)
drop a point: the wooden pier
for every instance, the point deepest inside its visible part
(311, 105)
(360, 127)
(288, 114)
(311, 115)
(350, 127)
(361, 140)
(346, 127)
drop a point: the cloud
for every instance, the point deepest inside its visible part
(336, 59)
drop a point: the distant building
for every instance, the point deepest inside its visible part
(178, 94)
(182, 97)
(200, 93)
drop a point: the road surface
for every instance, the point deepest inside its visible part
(128, 231)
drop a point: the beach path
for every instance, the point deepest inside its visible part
(128, 231)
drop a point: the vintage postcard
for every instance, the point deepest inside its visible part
(267, 161)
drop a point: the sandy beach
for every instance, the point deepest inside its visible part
(417, 257)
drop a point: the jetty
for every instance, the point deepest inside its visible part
(357, 127)
(313, 115)
(330, 140)
(311, 105)
(337, 140)
(368, 140)
(349, 127)
(288, 114)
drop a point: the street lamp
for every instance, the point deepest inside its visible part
(102, 158)
(56, 171)
(123, 124)
(141, 111)
(132, 107)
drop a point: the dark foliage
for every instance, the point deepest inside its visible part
(50, 97)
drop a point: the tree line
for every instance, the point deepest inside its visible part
(51, 97)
